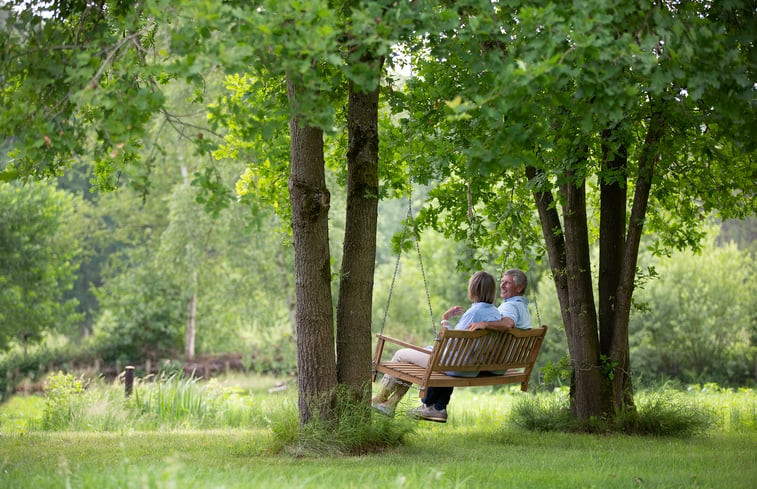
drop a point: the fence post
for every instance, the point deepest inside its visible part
(128, 380)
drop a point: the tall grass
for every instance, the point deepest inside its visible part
(176, 401)
(659, 411)
(165, 402)
(355, 430)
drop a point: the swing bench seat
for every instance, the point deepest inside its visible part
(483, 351)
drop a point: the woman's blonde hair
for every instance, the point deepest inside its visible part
(482, 288)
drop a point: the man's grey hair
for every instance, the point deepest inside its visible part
(519, 278)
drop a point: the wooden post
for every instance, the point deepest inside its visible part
(128, 380)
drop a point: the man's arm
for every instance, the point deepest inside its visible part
(500, 325)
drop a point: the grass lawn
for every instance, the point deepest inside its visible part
(476, 448)
(434, 456)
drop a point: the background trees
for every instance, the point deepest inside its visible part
(550, 101)
(39, 250)
(607, 120)
(698, 323)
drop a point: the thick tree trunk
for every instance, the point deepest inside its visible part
(316, 362)
(581, 331)
(359, 254)
(612, 230)
(619, 354)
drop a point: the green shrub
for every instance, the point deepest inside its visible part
(63, 401)
(357, 430)
(543, 412)
(661, 412)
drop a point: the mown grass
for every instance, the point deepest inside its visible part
(478, 447)
(437, 455)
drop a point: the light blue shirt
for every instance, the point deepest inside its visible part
(516, 308)
(478, 312)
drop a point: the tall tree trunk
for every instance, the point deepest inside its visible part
(359, 253)
(581, 331)
(612, 229)
(316, 362)
(619, 354)
(569, 261)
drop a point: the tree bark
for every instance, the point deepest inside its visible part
(310, 199)
(359, 252)
(581, 331)
(612, 230)
(612, 227)
(619, 353)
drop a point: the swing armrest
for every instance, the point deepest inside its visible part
(405, 344)
(380, 349)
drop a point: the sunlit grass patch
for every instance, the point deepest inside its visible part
(733, 409)
(21, 413)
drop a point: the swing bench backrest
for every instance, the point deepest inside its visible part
(481, 351)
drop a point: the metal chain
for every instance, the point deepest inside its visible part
(410, 220)
(423, 271)
(394, 278)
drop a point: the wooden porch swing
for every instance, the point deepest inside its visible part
(513, 351)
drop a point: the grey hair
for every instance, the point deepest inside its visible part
(519, 278)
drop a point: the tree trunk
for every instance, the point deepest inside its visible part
(359, 253)
(612, 229)
(554, 238)
(569, 261)
(581, 331)
(191, 333)
(619, 354)
(316, 363)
